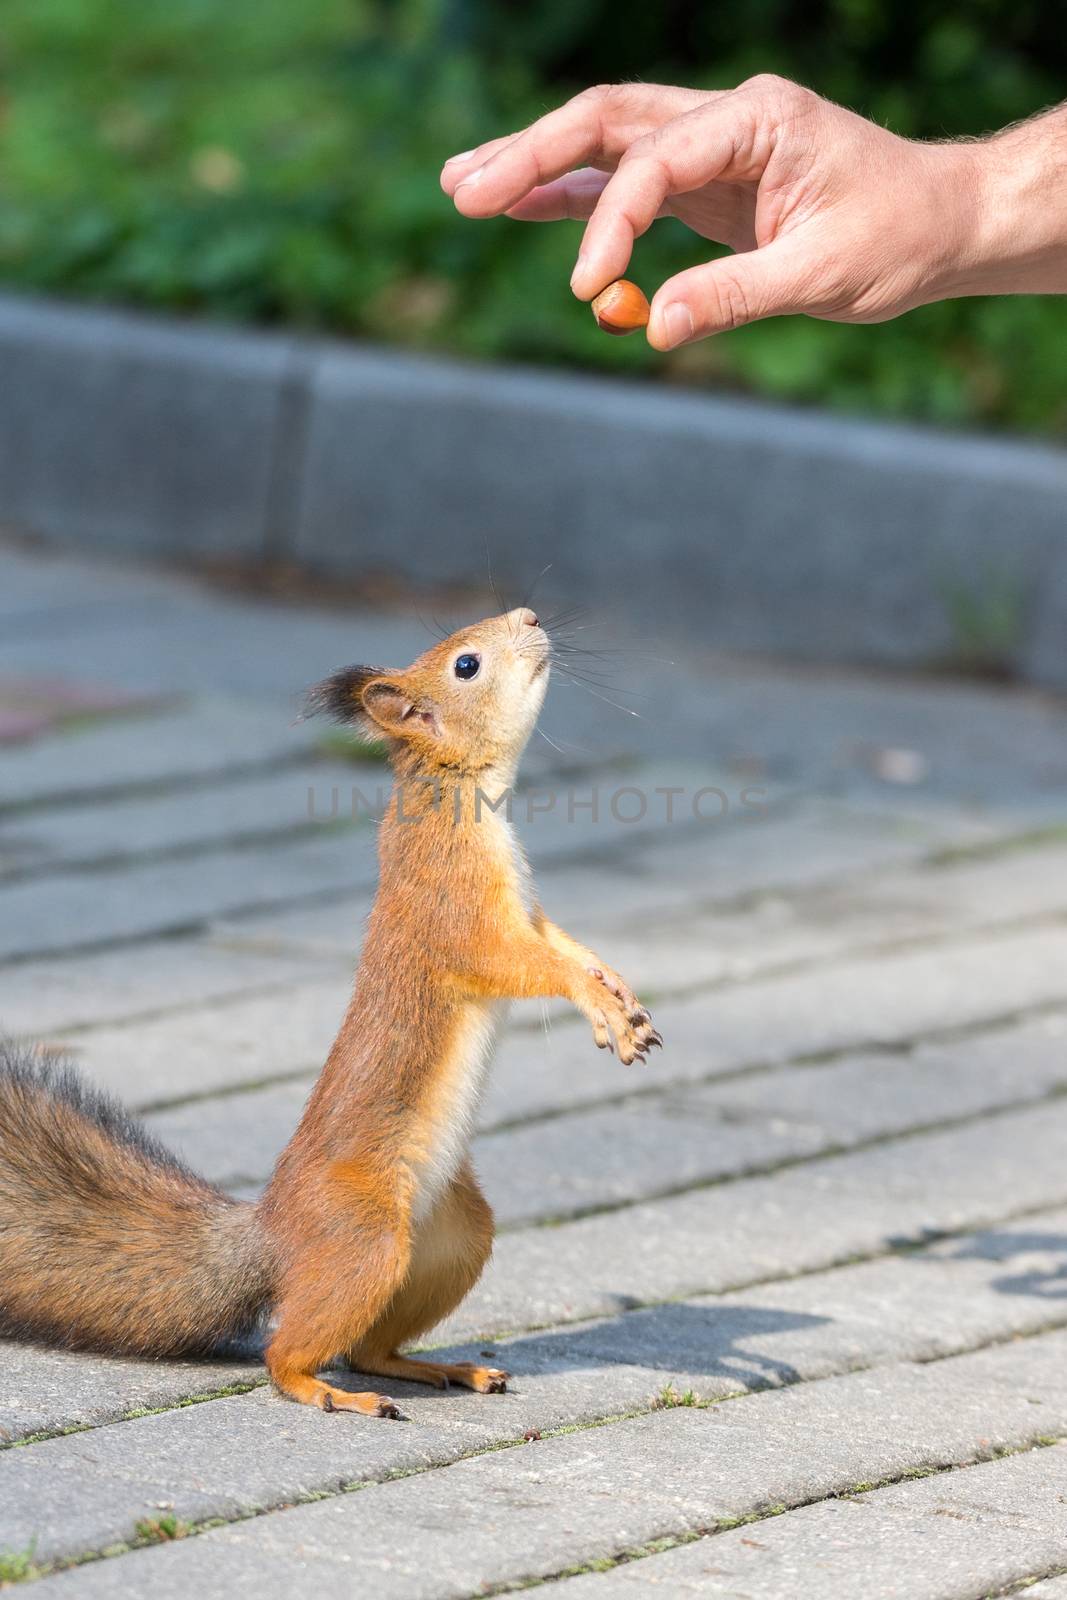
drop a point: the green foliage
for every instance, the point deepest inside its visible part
(17, 1566)
(162, 1530)
(987, 615)
(670, 1397)
(272, 161)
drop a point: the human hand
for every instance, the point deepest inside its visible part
(827, 213)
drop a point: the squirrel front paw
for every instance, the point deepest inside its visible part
(620, 1020)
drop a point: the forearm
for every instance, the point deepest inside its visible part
(1020, 240)
(562, 942)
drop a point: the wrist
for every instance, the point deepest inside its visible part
(1015, 239)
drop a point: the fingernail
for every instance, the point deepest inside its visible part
(464, 155)
(472, 177)
(579, 268)
(677, 322)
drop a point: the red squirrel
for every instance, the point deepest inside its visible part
(373, 1226)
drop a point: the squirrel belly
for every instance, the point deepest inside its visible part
(444, 1122)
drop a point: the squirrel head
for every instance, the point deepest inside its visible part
(467, 705)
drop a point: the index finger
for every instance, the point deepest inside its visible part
(717, 140)
(596, 126)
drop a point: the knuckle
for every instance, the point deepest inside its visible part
(773, 86)
(599, 92)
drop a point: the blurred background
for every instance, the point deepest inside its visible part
(268, 161)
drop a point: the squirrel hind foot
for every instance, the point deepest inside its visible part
(308, 1391)
(367, 1404)
(438, 1374)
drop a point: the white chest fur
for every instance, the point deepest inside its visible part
(450, 1116)
(505, 843)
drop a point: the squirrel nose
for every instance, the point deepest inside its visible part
(525, 615)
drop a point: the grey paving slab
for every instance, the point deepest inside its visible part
(848, 1005)
(926, 1304)
(295, 800)
(324, 794)
(678, 869)
(918, 1305)
(680, 1138)
(244, 1039)
(39, 998)
(956, 1536)
(208, 739)
(84, 910)
(1050, 1589)
(68, 909)
(668, 1138)
(927, 901)
(45, 1390)
(593, 1494)
(1001, 751)
(44, 582)
(773, 927)
(758, 1229)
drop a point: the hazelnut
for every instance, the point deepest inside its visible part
(621, 308)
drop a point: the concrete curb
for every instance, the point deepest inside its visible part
(759, 527)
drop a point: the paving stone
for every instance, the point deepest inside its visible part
(150, 897)
(40, 998)
(1050, 1589)
(789, 918)
(850, 1005)
(918, 1305)
(931, 1303)
(242, 1039)
(681, 947)
(234, 1139)
(667, 1138)
(80, 910)
(758, 1229)
(593, 1494)
(206, 740)
(49, 1390)
(290, 802)
(41, 581)
(679, 869)
(327, 794)
(678, 1139)
(955, 1536)
(1001, 750)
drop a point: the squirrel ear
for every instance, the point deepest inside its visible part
(389, 705)
(341, 695)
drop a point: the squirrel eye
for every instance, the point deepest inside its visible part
(467, 666)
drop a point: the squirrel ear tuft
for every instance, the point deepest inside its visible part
(340, 696)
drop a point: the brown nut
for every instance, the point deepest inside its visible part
(621, 308)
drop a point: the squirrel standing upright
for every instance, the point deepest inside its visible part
(373, 1226)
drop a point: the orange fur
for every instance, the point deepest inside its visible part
(373, 1226)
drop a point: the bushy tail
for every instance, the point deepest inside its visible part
(107, 1242)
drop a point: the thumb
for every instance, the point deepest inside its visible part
(767, 282)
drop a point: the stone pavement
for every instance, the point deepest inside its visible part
(786, 1310)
